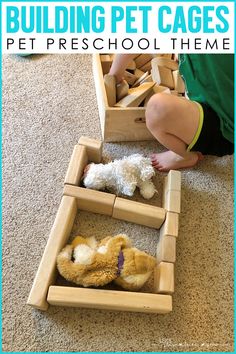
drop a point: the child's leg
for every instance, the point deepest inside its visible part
(173, 121)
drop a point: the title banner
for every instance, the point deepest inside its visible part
(104, 27)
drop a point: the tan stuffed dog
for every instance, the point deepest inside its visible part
(89, 263)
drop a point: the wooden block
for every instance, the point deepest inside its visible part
(171, 198)
(142, 59)
(138, 213)
(147, 79)
(110, 86)
(136, 56)
(171, 225)
(105, 57)
(162, 76)
(112, 56)
(161, 89)
(138, 73)
(178, 82)
(173, 180)
(130, 78)
(169, 56)
(140, 79)
(91, 200)
(93, 148)
(166, 62)
(59, 235)
(78, 161)
(106, 63)
(109, 299)
(146, 67)
(164, 278)
(135, 95)
(166, 249)
(164, 192)
(173, 201)
(122, 90)
(131, 65)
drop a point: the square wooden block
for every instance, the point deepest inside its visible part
(45, 292)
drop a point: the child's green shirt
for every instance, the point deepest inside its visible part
(209, 78)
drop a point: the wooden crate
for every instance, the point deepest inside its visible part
(45, 292)
(118, 124)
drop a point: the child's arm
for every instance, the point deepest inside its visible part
(119, 65)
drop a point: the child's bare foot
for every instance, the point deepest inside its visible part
(168, 160)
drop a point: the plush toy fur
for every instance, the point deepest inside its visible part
(122, 176)
(89, 263)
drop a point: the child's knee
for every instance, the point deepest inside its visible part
(157, 110)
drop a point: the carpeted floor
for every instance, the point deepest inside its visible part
(48, 103)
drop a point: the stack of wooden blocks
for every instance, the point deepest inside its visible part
(74, 198)
(146, 75)
(122, 107)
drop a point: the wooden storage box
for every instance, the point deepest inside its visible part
(118, 124)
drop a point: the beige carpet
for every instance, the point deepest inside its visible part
(48, 103)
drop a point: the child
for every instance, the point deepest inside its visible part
(202, 125)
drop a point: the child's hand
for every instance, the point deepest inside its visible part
(119, 65)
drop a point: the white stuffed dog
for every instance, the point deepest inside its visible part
(122, 176)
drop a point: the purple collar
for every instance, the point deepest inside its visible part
(120, 263)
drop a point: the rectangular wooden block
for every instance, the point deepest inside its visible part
(135, 95)
(162, 76)
(59, 235)
(178, 82)
(106, 63)
(131, 66)
(146, 67)
(166, 249)
(171, 198)
(173, 180)
(91, 200)
(147, 79)
(93, 148)
(171, 224)
(109, 299)
(136, 56)
(164, 278)
(173, 201)
(167, 62)
(110, 86)
(130, 78)
(140, 79)
(138, 213)
(78, 161)
(161, 89)
(122, 90)
(138, 73)
(142, 59)
(169, 56)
